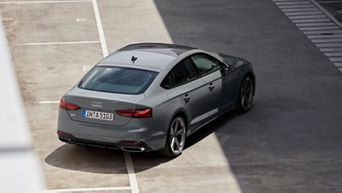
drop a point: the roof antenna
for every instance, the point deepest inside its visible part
(133, 59)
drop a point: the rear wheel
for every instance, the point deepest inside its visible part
(175, 140)
(246, 95)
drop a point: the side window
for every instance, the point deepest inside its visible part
(167, 82)
(181, 73)
(184, 72)
(205, 64)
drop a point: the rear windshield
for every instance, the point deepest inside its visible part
(118, 80)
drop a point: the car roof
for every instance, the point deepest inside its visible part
(146, 55)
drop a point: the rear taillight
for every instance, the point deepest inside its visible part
(67, 106)
(60, 133)
(140, 113)
(129, 143)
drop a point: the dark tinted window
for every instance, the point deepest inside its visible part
(167, 82)
(205, 64)
(118, 80)
(184, 72)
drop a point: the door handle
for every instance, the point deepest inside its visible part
(186, 98)
(211, 86)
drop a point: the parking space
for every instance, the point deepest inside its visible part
(52, 41)
(125, 22)
(50, 44)
(55, 68)
(50, 22)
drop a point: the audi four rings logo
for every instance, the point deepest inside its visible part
(96, 104)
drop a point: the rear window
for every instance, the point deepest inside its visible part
(118, 80)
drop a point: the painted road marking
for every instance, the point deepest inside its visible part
(338, 31)
(48, 102)
(131, 174)
(300, 9)
(57, 43)
(314, 24)
(81, 19)
(293, 3)
(88, 189)
(318, 25)
(331, 49)
(324, 36)
(307, 16)
(333, 54)
(326, 40)
(335, 59)
(128, 159)
(338, 64)
(318, 28)
(311, 20)
(41, 2)
(329, 45)
(100, 28)
(295, 6)
(7, 19)
(326, 13)
(304, 13)
(86, 68)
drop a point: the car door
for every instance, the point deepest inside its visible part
(210, 70)
(189, 91)
(231, 80)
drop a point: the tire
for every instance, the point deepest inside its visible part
(246, 95)
(176, 136)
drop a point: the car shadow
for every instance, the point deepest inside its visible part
(211, 128)
(87, 159)
(107, 161)
(98, 160)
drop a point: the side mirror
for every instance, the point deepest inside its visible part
(225, 68)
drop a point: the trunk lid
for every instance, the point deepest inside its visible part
(103, 102)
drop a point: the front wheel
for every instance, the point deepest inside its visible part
(246, 95)
(175, 140)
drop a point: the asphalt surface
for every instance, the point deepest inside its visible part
(289, 142)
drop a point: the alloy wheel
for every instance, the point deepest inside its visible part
(177, 135)
(247, 91)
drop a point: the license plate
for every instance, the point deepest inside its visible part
(98, 115)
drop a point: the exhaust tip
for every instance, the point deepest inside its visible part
(132, 146)
(133, 149)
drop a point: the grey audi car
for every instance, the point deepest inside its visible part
(151, 96)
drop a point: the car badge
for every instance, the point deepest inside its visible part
(96, 104)
(133, 59)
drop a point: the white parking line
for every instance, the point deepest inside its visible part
(88, 189)
(57, 43)
(86, 68)
(338, 64)
(128, 159)
(333, 54)
(293, 3)
(100, 28)
(82, 19)
(48, 102)
(7, 19)
(40, 2)
(131, 174)
(338, 31)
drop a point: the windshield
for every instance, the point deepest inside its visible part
(118, 80)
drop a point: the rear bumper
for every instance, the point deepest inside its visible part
(130, 147)
(150, 136)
